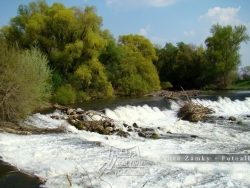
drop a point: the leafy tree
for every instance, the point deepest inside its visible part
(166, 61)
(25, 82)
(189, 66)
(139, 43)
(93, 79)
(70, 37)
(111, 57)
(223, 51)
(245, 72)
(138, 74)
(181, 65)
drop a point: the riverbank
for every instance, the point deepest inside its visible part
(15, 128)
(12, 177)
(240, 85)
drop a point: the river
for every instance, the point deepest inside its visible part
(85, 159)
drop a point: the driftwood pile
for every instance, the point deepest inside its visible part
(191, 111)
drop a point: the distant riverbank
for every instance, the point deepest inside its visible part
(240, 85)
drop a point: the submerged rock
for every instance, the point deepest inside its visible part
(135, 125)
(232, 118)
(125, 125)
(141, 134)
(193, 136)
(123, 133)
(130, 130)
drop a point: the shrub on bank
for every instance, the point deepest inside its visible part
(25, 82)
(65, 94)
(166, 85)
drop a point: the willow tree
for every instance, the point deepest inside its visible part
(223, 51)
(111, 57)
(70, 37)
(138, 74)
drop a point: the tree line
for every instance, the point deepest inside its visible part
(84, 62)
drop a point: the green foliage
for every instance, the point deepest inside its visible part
(166, 85)
(166, 61)
(139, 43)
(183, 65)
(65, 58)
(65, 94)
(82, 96)
(194, 67)
(93, 79)
(240, 85)
(72, 40)
(57, 80)
(94, 64)
(111, 58)
(223, 51)
(25, 82)
(69, 36)
(137, 73)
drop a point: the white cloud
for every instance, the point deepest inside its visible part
(131, 4)
(189, 33)
(222, 16)
(144, 31)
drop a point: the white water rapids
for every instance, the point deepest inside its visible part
(87, 157)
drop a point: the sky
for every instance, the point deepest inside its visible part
(161, 21)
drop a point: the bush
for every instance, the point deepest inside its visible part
(57, 80)
(82, 96)
(65, 94)
(166, 85)
(25, 82)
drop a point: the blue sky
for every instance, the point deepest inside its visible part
(161, 21)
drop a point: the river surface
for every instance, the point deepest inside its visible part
(85, 159)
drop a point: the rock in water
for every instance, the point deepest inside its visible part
(135, 125)
(141, 134)
(232, 118)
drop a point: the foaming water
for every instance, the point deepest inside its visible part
(226, 106)
(82, 155)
